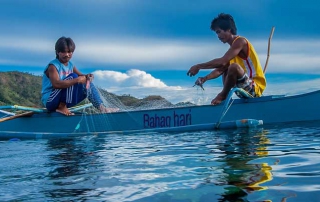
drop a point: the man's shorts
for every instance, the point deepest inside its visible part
(246, 84)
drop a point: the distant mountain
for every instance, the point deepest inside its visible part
(20, 88)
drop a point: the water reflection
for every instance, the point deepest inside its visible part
(244, 177)
(271, 164)
(71, 161)
(218, 166)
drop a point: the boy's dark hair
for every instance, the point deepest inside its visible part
(63, 43)
(224, 22)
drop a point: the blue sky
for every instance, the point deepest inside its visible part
(143, 47)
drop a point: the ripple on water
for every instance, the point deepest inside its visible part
(274, 163)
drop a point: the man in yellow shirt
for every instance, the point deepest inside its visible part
(239, 66)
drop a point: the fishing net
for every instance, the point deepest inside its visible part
(131, 113)
(130, 103)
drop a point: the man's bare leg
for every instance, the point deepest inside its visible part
(234, 72)
(218, 99)
(62, 108)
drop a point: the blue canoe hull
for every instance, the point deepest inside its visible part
(269, 109)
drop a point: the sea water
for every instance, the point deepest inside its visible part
(268, 163)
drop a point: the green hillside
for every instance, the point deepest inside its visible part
(20, 88)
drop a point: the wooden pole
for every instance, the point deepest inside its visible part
(17, 116)
(269, 44)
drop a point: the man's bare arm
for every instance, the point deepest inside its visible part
(233, 51)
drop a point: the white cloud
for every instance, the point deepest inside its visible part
(291, 56)
(285, 55)
(146, 51)
(151, 53)
(132, 78)
(26, 44)
(8, 62)
(294, 63)
(292, 88)
(110, 76)
(138, 84)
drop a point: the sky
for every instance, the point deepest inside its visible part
(142, 47)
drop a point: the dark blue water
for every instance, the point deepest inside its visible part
(270, 163)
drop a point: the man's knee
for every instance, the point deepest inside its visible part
(236, 69)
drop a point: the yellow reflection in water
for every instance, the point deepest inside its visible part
(262, 171)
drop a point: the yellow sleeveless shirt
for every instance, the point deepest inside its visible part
(252, 67)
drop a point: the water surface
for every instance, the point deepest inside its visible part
(278, 163)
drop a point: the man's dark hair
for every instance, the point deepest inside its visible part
(64, 43)
(224, 22)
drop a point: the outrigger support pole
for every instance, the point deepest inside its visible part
(228, 102)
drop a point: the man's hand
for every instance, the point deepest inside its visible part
(193, 70)
(199, 82)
